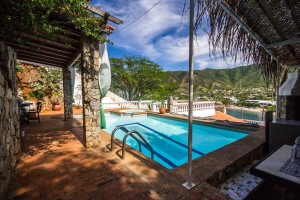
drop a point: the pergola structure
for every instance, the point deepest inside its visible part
(63, 51)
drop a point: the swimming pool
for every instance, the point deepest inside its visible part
(168, 137)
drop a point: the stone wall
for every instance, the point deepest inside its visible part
(236, 166)
(9, 121)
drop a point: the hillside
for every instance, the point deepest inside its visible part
(236, 78)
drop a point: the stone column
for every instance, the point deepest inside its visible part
(68, 98)
(90, 93)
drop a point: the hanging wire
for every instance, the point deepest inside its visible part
(140, 16)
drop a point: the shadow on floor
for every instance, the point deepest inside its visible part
(55, 165)
(267, 191)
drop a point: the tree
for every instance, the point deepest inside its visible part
(136, 78)
(166, 87)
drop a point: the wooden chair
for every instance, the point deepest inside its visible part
(35, 114)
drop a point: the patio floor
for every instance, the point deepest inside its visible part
(55, 165)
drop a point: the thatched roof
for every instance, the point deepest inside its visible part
(275, 25)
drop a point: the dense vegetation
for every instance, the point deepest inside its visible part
(41, 83)
(43, 17)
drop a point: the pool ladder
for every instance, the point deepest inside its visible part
(130, 133)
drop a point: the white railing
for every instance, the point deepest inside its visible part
(145, 104)
(260, 123)
(127, 104)
(200, 109)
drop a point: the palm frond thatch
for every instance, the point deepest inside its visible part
(273, 21)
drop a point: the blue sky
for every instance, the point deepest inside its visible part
(161, 35)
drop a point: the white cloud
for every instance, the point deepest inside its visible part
(159, 35)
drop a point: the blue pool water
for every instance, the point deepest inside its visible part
(245, 114)
(168, 137)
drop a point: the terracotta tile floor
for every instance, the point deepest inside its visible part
(55, 165)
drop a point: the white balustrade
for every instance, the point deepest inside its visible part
(145, 104)
(127, 104)
(200, 109)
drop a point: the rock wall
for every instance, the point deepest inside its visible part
(9, 121)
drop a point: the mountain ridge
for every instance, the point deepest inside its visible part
(232, 78)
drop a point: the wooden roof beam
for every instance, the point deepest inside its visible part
(40, 60)
(37, 64)
(101, 13)
(49, 42)
(284, 42)
(41, 55)
(38, 51)
(39, 46)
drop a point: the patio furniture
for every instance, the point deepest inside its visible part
(23, 111)
(35, 114)
(270, 167)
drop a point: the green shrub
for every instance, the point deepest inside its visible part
(38, 94)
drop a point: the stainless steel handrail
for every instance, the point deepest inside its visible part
(142, 138)
(126, 130)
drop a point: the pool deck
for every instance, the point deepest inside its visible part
(55, 165)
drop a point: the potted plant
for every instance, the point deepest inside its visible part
(162, 109)
(55, 100)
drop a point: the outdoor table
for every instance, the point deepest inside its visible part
(269, 169)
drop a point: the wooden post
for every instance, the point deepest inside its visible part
(268, 119)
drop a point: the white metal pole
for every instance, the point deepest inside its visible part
(277, 89)
(188, 185)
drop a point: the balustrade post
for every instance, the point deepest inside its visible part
(153, 107)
